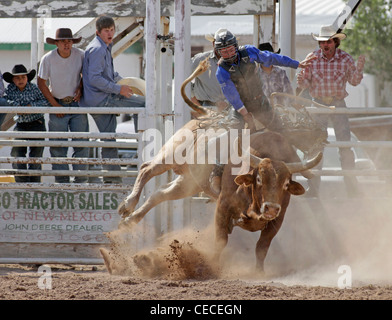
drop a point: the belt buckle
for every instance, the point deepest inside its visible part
(67, 100)
(327, 100)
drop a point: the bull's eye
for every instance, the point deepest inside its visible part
(286, 185)
(258, 180)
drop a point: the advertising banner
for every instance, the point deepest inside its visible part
(42, 216)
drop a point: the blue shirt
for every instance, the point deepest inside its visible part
(99, 78)
(31, 95)
(265, 58)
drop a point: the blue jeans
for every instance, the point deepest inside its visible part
(34, 152)
(3, 102)
(72, 123)
(137, 102)
(341, 126)
(108, 123)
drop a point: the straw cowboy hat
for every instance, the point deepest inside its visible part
(267, 47)
(211, 37)
(63, 34)
(19, 70)
(137, 85)
(326, 33)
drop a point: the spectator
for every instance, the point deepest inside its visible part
(21, 92)
(62, 68)
(326, 79)
(100, 88)
(206, 90)
(274, 78)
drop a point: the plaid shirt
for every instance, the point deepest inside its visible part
(31, 95)
(328, 78)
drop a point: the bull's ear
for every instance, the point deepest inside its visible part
(295, 188)
(245, 179)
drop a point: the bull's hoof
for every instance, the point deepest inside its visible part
(115, 263)
(107, 260)
(123, 210)
(128, 222)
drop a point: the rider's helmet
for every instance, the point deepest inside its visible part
(225, 43)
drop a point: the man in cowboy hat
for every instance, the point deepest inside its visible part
(326, 79)
(274, 78)
(21, 92)
(59, 78)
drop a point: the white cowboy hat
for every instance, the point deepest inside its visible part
(138, 85)
(326, 33)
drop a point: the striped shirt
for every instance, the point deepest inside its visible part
(31, 95)
(328, 78)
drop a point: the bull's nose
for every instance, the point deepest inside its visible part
(270, 210)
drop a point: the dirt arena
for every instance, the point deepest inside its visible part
(94, 283)
(180, 268)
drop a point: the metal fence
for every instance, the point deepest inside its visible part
(97, 140)
(92, 140)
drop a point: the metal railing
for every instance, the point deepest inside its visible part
(91, 140)
(93, 137)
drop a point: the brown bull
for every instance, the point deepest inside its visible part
(262, 194)
(253, 205)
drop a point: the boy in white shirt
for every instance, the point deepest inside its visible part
(62, 67)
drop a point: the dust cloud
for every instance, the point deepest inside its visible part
(320, 236)
(317, 238)
(183, 254)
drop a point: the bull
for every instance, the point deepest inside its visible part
(262, 195)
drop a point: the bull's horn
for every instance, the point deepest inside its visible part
(254, 160)
(299, 166)
(202, 67)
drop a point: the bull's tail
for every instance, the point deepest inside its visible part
(202, 67)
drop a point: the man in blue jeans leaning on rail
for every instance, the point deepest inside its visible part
(100, 88)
